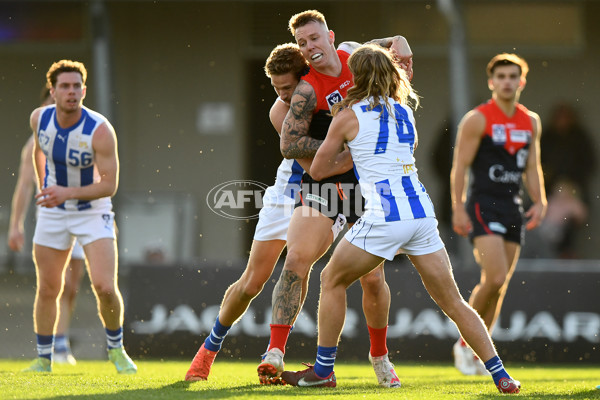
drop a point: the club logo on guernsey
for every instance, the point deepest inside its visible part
(333, 98)
(498, 133)
(239, 200)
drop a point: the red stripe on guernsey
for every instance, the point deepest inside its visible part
(513, 132)
(480, 219)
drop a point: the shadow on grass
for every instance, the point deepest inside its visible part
(186, 390)
(195, 390)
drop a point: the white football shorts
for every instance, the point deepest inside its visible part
(273, 221)
(413, 237)
(58, 229)
(274, 218)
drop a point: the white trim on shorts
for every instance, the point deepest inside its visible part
(57, 229)
(385, 239)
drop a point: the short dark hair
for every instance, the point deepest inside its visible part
(507, 59)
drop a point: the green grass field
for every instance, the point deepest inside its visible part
(237, 380)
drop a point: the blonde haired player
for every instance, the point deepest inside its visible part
(375, 122)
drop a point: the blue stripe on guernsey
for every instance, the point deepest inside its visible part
(402, 117)
(88, 125)
(384, 133)
(413, 198)
(355, 172)
(46, 176)
(46, 118)
(388, 201)
(59, 155)
(293, 186)
(87, 178)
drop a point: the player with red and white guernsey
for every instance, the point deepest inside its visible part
(304, 129)
(499, 142)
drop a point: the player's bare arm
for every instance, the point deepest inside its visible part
(37, 151)
(534, 178)
(295, 141)
(343, 128)
(21, 198)
(277, 115)
(470, 131)
(106, 162)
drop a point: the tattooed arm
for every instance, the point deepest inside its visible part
(295, 141)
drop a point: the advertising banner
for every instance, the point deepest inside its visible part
(547, 316)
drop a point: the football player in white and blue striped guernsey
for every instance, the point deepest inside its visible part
(24, 190)
(77, 181)
(378, 127)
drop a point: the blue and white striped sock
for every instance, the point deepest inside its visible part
(214, 341)
(44, 346)
(495, 367)
(61, 344)
(114, 339)
(325, 360)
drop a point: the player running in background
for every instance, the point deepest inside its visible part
(77, 181)
(304, 129)
(16, 239)
(499, 142)
(376, 123)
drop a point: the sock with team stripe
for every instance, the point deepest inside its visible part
(61, 344)
(44, 346)
(214, 341)
(114, 338)
(495, 367)
(325, 360)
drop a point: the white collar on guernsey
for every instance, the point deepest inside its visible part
(279, 99)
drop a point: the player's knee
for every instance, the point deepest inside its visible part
(250, 289)
(69, 292)
(495, 283)
(104, 291)
(331, 278)
(297, 262)
(454, 307)
(48, 291)
(372, 283)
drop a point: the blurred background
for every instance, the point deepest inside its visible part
(183, 85)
